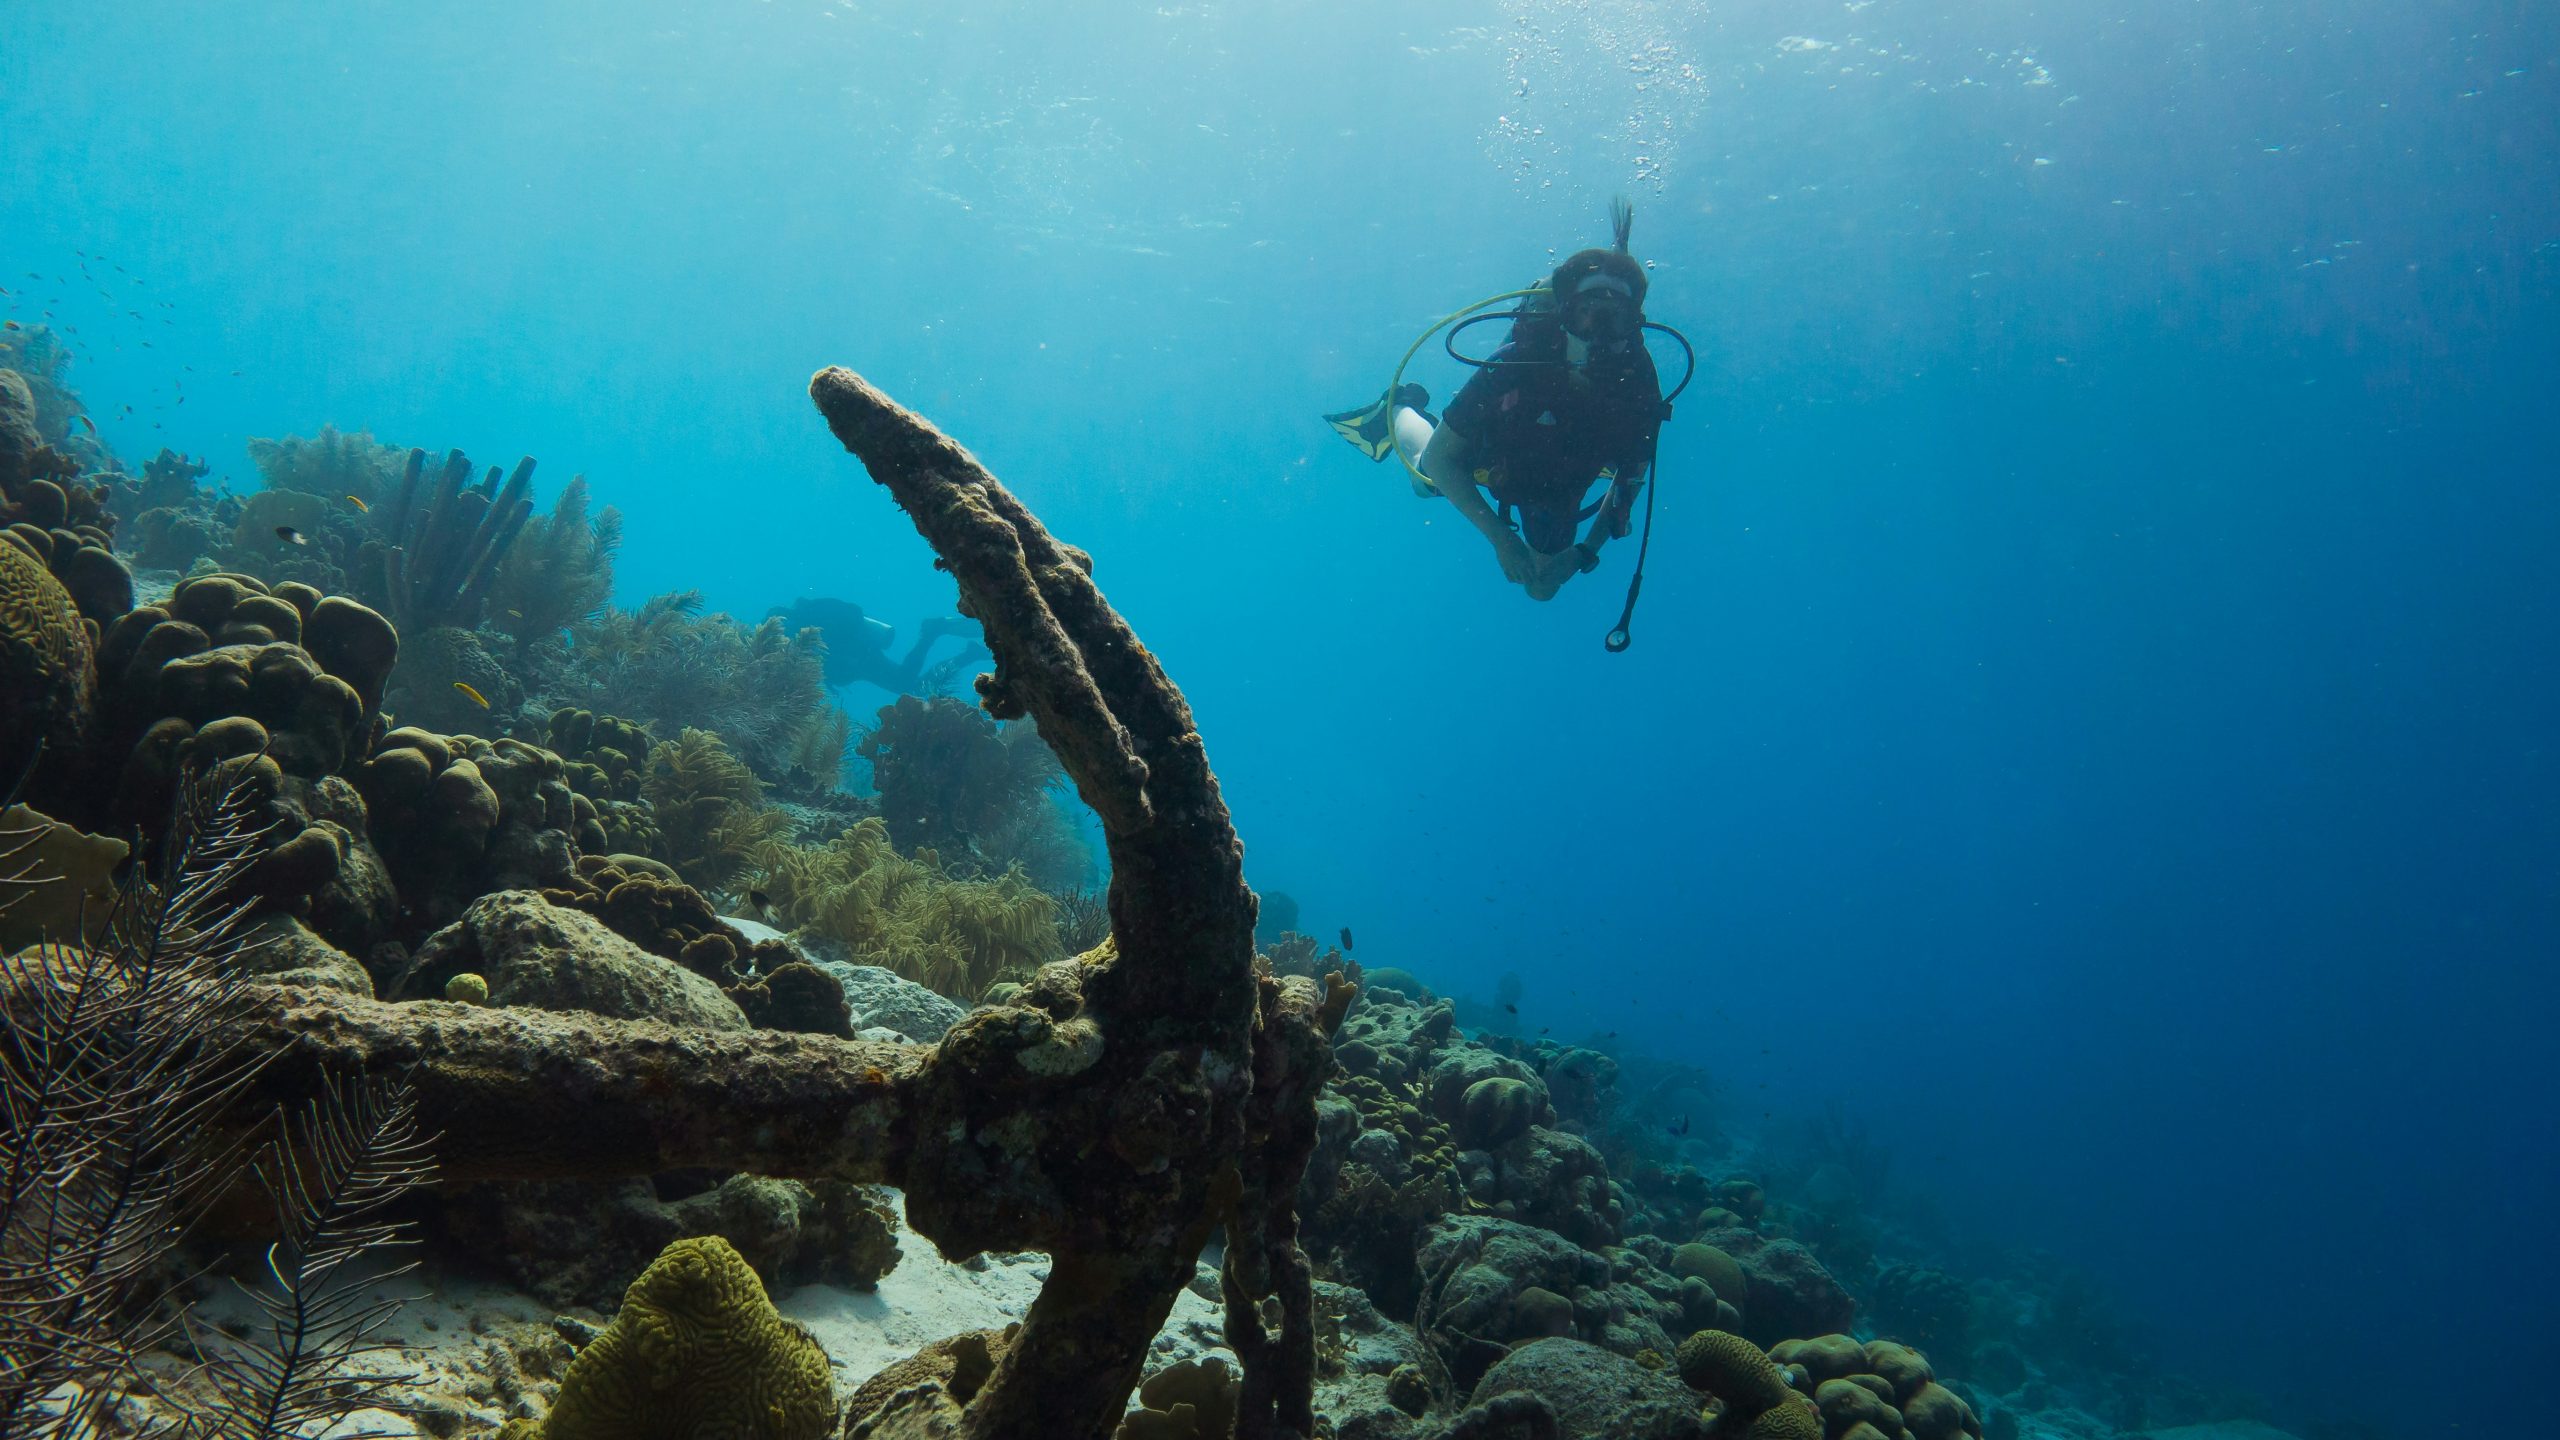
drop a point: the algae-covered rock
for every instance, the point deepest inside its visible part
(883, 999)
(1595, 1392)
(579, 1242)
(697, 1350)
(281, 949)
(931, 1385)
(1790, 1293)
(537, 954)
(1192, 1400)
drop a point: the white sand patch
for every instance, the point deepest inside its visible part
(925, 1299)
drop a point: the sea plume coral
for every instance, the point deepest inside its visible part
(709, 808)
(950, 934)
(333, 465)
(124, 1094)
(669, 665)
(560, 571)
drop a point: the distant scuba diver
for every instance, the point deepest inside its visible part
(858, 646)
(1570, 399)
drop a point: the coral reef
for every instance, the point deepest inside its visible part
(457, 817)
(1132, 1099)
(1876, 1389)
(1195, 1400)
(608, 759)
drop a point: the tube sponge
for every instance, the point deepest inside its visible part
(697, 1350)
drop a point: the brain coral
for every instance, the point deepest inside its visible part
(45, 681)
(1495, 1110)
(697, 1350)
(1733, 1370)
(1790, 1419)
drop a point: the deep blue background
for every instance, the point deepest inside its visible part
(2094, 703)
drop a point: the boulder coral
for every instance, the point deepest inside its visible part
(458, 817)
(1878, 1388)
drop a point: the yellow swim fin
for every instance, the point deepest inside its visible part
(1371, 429)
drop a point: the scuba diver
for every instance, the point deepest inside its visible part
(858, 646)
(1569, 401)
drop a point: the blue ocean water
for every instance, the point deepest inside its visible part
(2093, 704)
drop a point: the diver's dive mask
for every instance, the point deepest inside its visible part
(1603, 311)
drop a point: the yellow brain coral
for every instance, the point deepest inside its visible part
(1789, 1419)
(697, 1350)
(1733, 1370)
(45, 682)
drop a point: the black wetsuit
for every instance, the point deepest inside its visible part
(1538, 435)
(859, 650)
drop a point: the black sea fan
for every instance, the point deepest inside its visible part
(332, 1175)
(112, 1074)
(120, 1109)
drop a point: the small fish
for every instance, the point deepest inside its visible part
(1346, 937)
(360, 505)
(515, 614)
(474, 696)
(1543, 1029)
(1679, 1128)
(11, 324)
(290, 536)
(87, 424)
(758, 900)
(1514, 1009)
